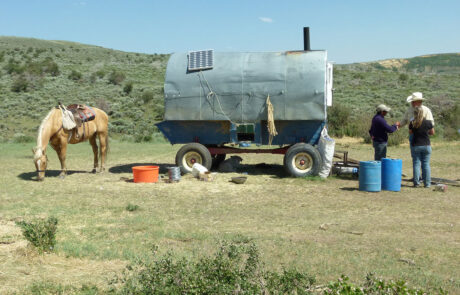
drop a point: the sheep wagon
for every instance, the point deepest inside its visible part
(216, 103)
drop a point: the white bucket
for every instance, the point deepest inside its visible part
(197, 169)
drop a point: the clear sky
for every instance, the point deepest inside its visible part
(351, 31)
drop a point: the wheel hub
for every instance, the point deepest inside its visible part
(303, 162)
(191, 158)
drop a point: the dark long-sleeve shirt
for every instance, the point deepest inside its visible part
(380, 129)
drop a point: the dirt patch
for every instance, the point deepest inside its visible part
(396, 63)
(22, 265)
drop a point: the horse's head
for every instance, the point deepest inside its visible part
(40, 161)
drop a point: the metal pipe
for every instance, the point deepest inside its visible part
(306, 38)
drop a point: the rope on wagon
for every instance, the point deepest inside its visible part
(210, 95)
(270, 121)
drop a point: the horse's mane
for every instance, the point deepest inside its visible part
(39, 148)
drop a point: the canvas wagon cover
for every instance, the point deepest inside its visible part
(237, 86)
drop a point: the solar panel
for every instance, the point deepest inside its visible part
(200, 60)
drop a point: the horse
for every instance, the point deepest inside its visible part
(51, 131)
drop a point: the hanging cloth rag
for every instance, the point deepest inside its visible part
(270, 121)
(68, 121)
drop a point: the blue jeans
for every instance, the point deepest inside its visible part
(421, 156)
(380, 150)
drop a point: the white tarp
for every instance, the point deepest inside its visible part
(326, 146)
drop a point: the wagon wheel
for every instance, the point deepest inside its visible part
(193, 153)
(302, 160)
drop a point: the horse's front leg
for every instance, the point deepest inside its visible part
(93, 143)
(62, 151)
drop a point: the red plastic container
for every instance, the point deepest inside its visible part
(145, 173)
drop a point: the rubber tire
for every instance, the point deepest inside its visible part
(217, 159)
(302, 148)
(193, 147)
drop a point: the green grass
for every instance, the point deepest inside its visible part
(282, 216)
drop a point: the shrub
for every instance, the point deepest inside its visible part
(337, 116)
(398, 137)
(103, 105)
(92, 78)
(100, 74)
(22, 138)
(75, 75)
(147, 96)
(47, 66)
(403, 77)
(372, 285)
(235, 268)
(450, 118)
(116, 77)
(13, 67)
(128, 87)
(40, 233)
(142, 138)
(50, 67)
(20, 84)
(130, 207)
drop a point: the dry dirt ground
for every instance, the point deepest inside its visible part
(326, 227)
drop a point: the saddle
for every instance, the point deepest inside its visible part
(81, 114)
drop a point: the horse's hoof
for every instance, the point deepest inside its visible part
(93, 171)
(62, 176)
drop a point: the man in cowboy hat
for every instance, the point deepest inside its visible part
(379, 132)
(416, 99)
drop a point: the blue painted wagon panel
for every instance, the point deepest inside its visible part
(291, 132)
(204, 132)
(221, 132)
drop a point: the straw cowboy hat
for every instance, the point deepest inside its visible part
(415, 97)
(382, 108)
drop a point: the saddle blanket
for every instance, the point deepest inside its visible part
(84, 112)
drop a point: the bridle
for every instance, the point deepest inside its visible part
(38, 170)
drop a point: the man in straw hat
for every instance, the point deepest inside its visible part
(379, 132)
(416, 99)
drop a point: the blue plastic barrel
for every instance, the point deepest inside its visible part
(391, 174)
(370, 176)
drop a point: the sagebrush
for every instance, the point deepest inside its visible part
(40, 232)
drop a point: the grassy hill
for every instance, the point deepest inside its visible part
(129, 86)
(36, 74)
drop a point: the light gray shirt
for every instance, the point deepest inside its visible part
(409, 115)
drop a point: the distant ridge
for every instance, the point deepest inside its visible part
(439, 63)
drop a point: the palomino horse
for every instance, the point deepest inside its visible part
(51, 131)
